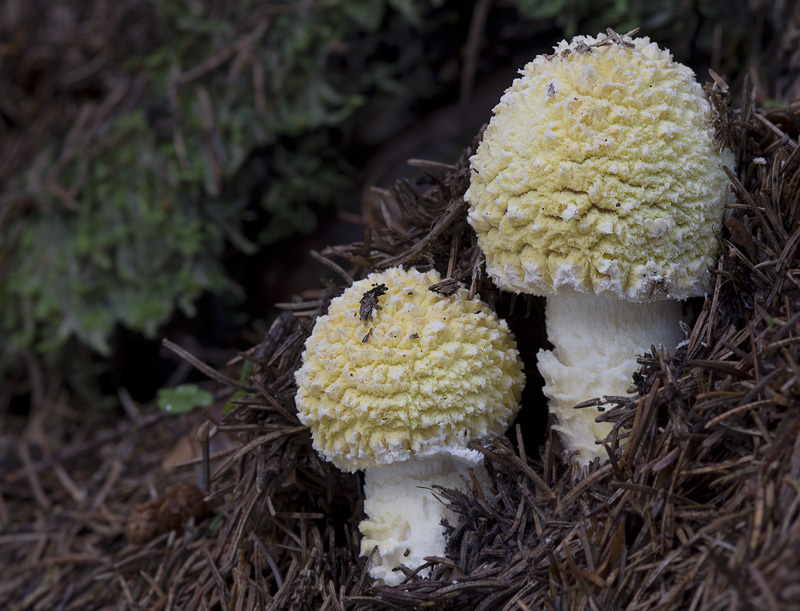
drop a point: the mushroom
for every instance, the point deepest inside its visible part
(396, 380)
(598, 185)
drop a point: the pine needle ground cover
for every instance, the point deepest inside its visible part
(698, 509)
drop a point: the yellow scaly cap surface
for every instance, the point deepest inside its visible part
(598, 174)
(421, 376)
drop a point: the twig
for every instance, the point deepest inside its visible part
(206, 369)
(33, 478)
(443, 223)
(276, 572)
(472, 51)
(221, 56)
(328, 263)
(426, 164)
(775, 130)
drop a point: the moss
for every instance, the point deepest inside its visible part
(134, 188)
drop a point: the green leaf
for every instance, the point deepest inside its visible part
(230, 403)
(183, 398)
(247, 369)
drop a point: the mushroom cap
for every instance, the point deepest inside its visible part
(420, 376)
(598, 174)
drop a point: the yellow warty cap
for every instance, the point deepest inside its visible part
(421, 376)
(598, 174)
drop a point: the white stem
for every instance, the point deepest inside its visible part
(597, 340)
(404, 514)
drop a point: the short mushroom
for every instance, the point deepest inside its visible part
(598, 184)
(396, 380)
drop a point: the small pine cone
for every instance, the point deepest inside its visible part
(143, 524)
(179, 503)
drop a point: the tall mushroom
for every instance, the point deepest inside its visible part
(598, 185)
(396, 380)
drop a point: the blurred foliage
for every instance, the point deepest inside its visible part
(127, 204)
(183, 398)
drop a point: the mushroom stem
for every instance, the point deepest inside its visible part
(596, 341)
(405, 515)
